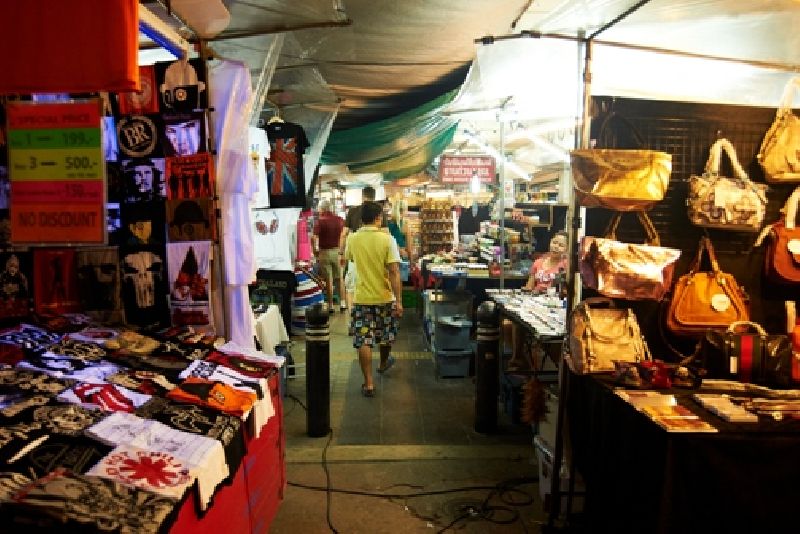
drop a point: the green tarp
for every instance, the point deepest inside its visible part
(396, 147)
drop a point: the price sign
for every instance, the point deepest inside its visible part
(57, 173)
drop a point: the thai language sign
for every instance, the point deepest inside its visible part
(57, 173)
(459, 169)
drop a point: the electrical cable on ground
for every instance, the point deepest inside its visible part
(328, 492)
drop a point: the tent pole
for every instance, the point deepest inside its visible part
(501, 118)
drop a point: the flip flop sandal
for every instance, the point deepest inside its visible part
(389, 363)
(367, 392)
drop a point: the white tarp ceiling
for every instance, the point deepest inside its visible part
(540, 77)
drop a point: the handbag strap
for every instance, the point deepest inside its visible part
(705, 245)
(785, 107)
(652, 237)
(749, 324)
(605, 125)
(715, 159)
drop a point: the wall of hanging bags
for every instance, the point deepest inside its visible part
(687, 132)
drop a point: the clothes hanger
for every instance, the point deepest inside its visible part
(276, 117)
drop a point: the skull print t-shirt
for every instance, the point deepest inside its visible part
(144, 285)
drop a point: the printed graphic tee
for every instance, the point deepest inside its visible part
(285, 178)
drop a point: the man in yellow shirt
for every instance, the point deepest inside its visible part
(378, 303)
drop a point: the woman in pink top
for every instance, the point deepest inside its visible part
(544, 275)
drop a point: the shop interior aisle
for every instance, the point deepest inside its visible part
(414, 436)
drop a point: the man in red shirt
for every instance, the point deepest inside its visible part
(327, 231)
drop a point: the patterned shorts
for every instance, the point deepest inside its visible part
(372, 324)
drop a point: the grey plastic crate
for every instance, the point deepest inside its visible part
(452, 363)
(452, 332)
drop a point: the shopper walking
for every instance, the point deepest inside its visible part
(327, 231)
(398, 228)
(378, 303)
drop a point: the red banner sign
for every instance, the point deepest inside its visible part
(458, 169)
(57, 173)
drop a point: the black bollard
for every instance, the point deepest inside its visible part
(487, 366)
(318, 373)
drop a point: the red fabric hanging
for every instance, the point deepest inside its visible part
(72, 46)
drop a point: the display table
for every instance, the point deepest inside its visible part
(250, 503)
(641, 478)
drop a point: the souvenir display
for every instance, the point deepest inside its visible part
(726, 203)
(143, 180)
(144, 285)
(189, 220)
(99, 284)
(189, 268)
(143, 223)
(181, 85)
(190, 176)
(16, 285)
(146, 99)
(139, 136)
(56, 281)
(184, 134)
(285, 174)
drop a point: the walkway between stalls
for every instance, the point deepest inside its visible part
(416, 435)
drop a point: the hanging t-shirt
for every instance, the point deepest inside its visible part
(63, 497)
(144, 285)
(275, 287)
(285, 178)
(307, 294)
(274, 238)
(469, 222)
(259, 152)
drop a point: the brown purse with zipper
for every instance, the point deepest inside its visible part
(704, 300)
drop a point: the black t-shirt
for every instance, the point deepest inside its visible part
(285, 177)
(469, 223)
(275, 287)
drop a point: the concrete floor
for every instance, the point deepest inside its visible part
(414, 436)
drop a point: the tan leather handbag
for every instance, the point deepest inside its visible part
(779, 154)
(715, 201)
(627, 270)
(600, 335)
(782, 259)
(704, 300)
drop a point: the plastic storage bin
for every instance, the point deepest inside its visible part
(453, 363)
(546, 475)
(452, 332)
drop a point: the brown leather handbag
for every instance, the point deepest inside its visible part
(704, 300)
(782, 260)
(626, 270)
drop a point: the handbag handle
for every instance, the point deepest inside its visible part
(715, 159)
(651, 234)
(785, 107)
(637, 137)
(705, 245)
(750, 324)
(790, 209)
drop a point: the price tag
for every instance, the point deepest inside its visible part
(57, 164)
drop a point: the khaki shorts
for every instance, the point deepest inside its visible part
(329, 264)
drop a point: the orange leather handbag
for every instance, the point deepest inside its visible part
(782, 260)
(704, 300)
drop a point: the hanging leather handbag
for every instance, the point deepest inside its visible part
(779, 154)
(704, 300)
(627, 270)
(782, 258)
(601, 333)
(620, 179)
(715, 201)
(745, 352)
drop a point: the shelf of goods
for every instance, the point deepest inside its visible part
(435, 226)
